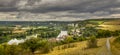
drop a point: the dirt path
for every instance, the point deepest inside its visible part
(105, 50)
(108, 46)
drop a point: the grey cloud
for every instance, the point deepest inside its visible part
(79, 5)
(63, 8)
(59, 5)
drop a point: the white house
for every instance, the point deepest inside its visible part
(15, 41)
(62, 35)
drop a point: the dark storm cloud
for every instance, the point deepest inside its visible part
(60, 9)
(75, 5)
(59, 5)
(7, 5)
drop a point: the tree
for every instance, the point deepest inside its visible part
(68, 40)
(92, 43)
(47, 47)
(34, 44)
(12, 49)
(31, 44)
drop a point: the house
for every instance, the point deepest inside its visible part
(62, 35)
(15, 41)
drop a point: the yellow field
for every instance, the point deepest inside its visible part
(115, 49)
(110, 27)
(112, 22)
(80, 49)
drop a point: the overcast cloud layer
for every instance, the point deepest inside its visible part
(60, 9)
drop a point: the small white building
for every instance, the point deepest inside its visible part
(62, 35)
(15, 41)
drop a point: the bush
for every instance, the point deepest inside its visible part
(47, 47)
(92, 43)
(2, 52)
(82, 38)
(117, 40)
(34, 44)
(68, 40)
(10, 50)
(68, 46)
(31, 44)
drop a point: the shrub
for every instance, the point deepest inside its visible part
(47, 47)
(11, 49)
(2, 52)
(68, 40)
(117, 40)
(92, 42)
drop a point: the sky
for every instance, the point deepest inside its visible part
(59, 9)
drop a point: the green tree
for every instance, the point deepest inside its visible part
(32, 44)
(68, 39)
(92, 42)
(46, 46)
(12, 49)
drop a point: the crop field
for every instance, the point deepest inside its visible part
(110, 25)
(115, 47)
(97, 22)
(79, 49)
(112, 22)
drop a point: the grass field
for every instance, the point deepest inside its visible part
(110, 25)
(79, 49)
(97, 22)
(112, 22)
(115, 47)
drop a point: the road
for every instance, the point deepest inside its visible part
(105, 50)
(108, 46)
